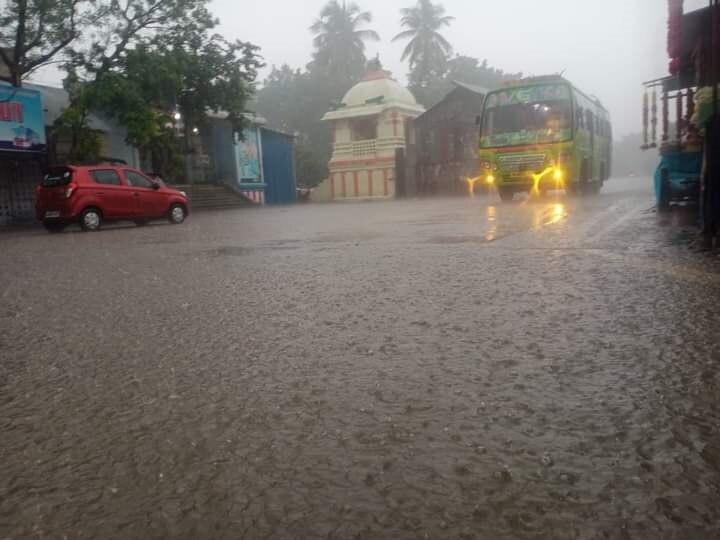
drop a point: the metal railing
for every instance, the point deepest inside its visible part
(663, 107)
(357, 148)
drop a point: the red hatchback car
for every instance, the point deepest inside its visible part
(91, 194)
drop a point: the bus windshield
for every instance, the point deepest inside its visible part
(531, 115)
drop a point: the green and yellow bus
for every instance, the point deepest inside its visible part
(541, 134)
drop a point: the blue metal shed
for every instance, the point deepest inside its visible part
(278, 163)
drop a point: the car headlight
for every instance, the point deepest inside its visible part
(183, 194)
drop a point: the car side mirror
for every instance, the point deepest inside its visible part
(155, 186)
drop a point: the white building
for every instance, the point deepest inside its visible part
(373, 121)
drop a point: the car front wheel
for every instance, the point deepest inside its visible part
(177, 214)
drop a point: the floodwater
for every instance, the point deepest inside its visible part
(449, 368)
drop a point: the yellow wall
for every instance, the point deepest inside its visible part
(362, 182)
(366, 169)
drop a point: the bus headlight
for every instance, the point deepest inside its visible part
(558, 175)
(490, 179)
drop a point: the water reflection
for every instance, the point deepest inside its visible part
(559, 213)
(491, 235)
(543, 215)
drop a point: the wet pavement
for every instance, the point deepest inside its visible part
(451, 368)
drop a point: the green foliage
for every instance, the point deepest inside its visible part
(187, 70)
(34, 32)
(122, 25)
(92, 36)
(427, 50)
(295, 101)
(74, 126)
(463, 69)
(340, 42)
(309, 170)
(213, 74)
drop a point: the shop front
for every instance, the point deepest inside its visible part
(23, 149)
(680, 115)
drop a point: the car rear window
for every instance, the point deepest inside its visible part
(59, 176)
(106, 176)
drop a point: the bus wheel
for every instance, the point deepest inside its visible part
(506, 194)
(664, 192)
(585, 182)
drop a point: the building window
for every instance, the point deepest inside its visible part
(364, 129)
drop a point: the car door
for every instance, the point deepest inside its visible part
(149, 202)
(115, 199)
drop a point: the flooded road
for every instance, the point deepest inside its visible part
(450, 368)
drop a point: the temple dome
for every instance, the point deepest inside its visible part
(375, 85)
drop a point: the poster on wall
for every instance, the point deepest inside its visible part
(248, 157)
(22, 127)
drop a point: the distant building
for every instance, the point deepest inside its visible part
(112, 136)
(372, 122)
(446, 146)
(261, 166)
(26, 144)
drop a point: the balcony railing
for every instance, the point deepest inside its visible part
(356, 149)
(675, 108)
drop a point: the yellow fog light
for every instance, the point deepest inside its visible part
(490, 179)
(558, 175)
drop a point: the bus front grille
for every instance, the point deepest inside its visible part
(518, 163)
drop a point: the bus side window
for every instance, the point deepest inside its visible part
(580, 118)
(589, 121)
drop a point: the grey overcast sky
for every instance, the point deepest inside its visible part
(606, 47)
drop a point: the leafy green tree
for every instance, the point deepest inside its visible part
(465, 69)
(91, 35)
(191, 77)
(340, 41)
(74, 125)
(187, 74)
(125, 24)
(34, 33)
(427, 50)
(295, 101)
(309, 170)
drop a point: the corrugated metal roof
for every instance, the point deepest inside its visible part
(479, 90)
(472, 87)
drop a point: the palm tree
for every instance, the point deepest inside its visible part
(427, 50)
(340, 40)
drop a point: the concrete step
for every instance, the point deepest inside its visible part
(213, 197)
